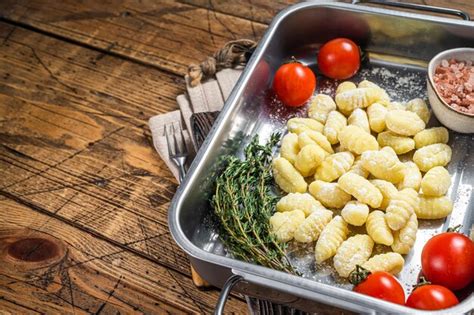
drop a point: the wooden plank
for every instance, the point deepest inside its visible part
(75, 144)
(47, 266)
(164, 33)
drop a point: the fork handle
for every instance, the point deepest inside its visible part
(182, 172)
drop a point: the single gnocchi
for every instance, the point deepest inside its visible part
(331, 237)
(298, 201)
(396, 106)
(355, 213)
(436, 182)
(387, 189)
(432, 208)
(309, 158)
(359, 118)
(404, 122)
(384, 98)
(354, 251)
(320, 107)
(313, 137)
(411, 177)
(334, 166)
(289, 147)
(349, 100)
(361, 189)
(358, 169)
(334, 125)
(287, 177)
(399, 144)
(383, 165)
(401, 207)
(438, 154)
(378, 229)
(345, 86)
(298, 125)
(431, 136)
(284, 224)
(419, 107)
(376, 113)
(329, 194)
(404, 239)
(389, 262)
(311, 228)
(356, 140)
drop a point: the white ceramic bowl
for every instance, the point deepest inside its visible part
(457, 121)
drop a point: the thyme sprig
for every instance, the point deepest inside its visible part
(243, 204)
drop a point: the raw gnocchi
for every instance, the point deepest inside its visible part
(298, 201)
(298, 125)
(419, 107)
(361, 189)
(389, 262)
(404, 122)
(320, 107)
(356, 140)
(401, 207)
(432, 208)
(352, 252)
(358, 168)
(330, 239)
(376, 113)
(383, 165)
(313, 137)
(399, 144)
(436, 182)
(349, 100)
(426, 158)
(289, 147)
(378, 229)
(384, 98)
(334, 125)
(284, 224)
(431, 136)
(345, 86)
(309, 158)
(334, 166)
(355, 213)
(411, 177)
(359, 118)
(387, 189)
(311, 228)
(404, 239)
(329, 194)
(287, 177)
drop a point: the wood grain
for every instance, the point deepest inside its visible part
(165, 34)
(80, 274)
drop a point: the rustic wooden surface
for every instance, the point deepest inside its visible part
(83, 195)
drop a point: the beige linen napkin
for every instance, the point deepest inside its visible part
(206, 97)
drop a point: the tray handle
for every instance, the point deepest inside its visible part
(228, 285)
(420, 7)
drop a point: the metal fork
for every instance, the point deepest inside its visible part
(178, 152)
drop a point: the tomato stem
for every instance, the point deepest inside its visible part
(421, 282)
(358, 275)
(456, 229)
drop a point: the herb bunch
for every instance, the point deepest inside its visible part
(243, 203)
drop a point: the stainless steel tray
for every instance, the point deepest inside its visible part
(400, 45)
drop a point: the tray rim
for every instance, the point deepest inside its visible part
(287, 280)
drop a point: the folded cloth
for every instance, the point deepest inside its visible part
(206, 97)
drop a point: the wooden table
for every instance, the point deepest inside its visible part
(84, 197)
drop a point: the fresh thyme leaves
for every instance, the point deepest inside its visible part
(243, 203)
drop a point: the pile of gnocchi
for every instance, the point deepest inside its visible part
(358, 160)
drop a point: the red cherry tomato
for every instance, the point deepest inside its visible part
(294, 84)
(382, 285)
(448, 260)
(431, 297)
(339, 58)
